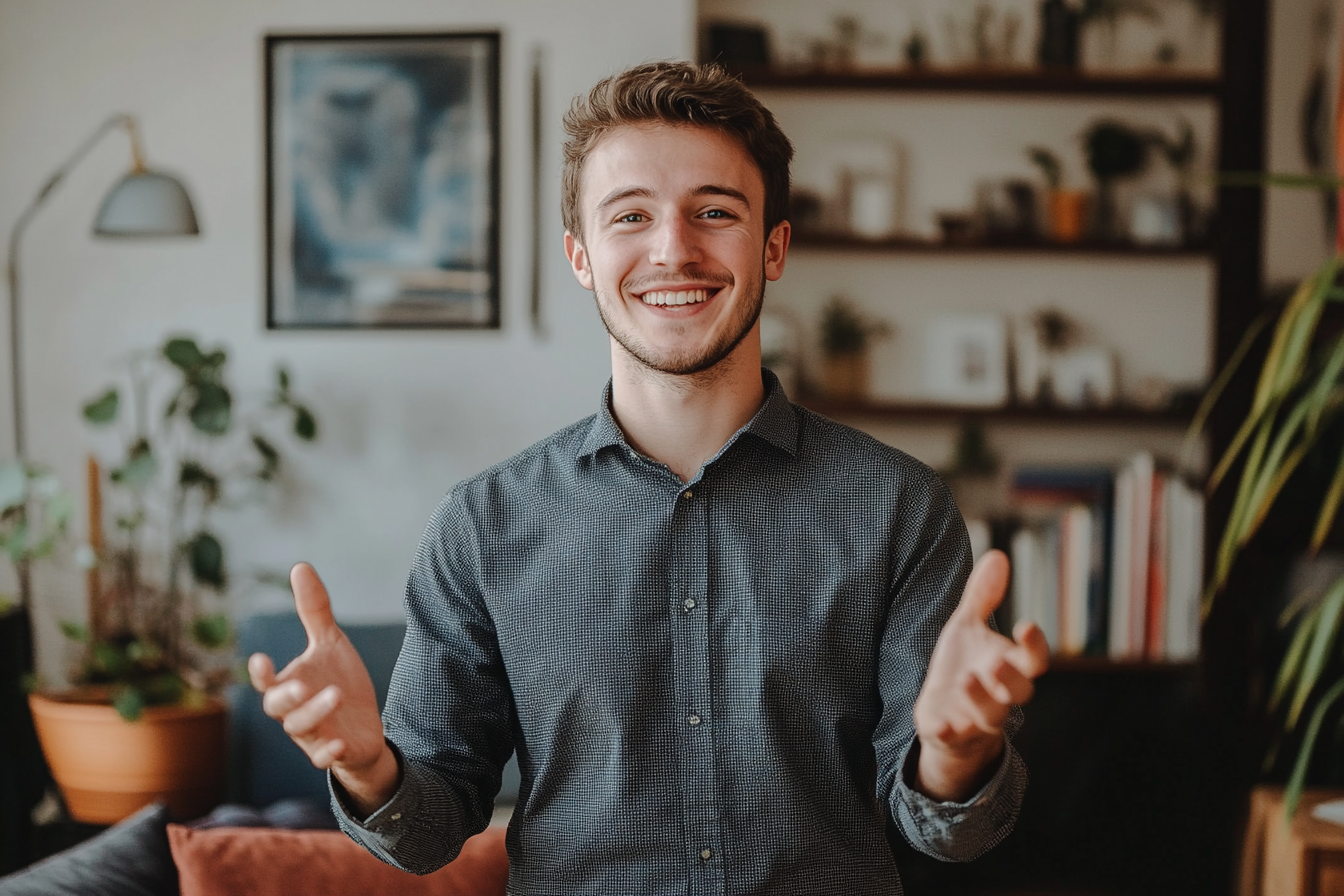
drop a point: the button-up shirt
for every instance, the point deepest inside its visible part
(709, 684)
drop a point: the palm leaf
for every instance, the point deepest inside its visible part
(1294, 657)
(1293, 792)
(1318, 654)
(1329, 507)
(1219, 384)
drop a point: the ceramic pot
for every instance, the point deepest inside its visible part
(108, 768)
(1068, 215)
(846, 376)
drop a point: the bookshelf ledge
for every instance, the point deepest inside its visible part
(909, 412)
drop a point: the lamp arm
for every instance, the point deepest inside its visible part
(15, 236)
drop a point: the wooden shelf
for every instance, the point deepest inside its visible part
(803, 239)
(983, 80)
(924, 412)
(1089, 664)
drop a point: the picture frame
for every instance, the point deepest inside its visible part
(382, 180)
(966, 360)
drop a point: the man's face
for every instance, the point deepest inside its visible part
(674, 245)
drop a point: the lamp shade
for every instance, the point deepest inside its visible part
(146, 203)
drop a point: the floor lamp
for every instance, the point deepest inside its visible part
(143, 203)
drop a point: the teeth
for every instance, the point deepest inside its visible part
(677, 297)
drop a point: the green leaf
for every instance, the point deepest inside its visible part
(282, 381)
(109, 659)
(270, 457)
(1318, 654)
(207, 559)
(212, 632)
(75, 631)
(102, 409)
(1293, 792)
(183, 353)
(211, 411)
(305, 424)
(215, 360)
(129, 702)
(1219, 384)
(195, 475)
(1329, 507)
(13, 485)
(139, 469)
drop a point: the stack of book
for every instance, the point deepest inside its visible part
(1109, 562)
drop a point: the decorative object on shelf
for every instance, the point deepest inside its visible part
(1006, 212)
(1059, 26)
(1155, 220)
(1114, 150)
(868, 186)
(847, 335)
(1066, 210)
(1083, 377)
(382, 180)
(972, 472)
(915, 50)
(957, 228)
(780, 350)
(987, 38)
(966, 359)
(1295, 404)
(1179, 153)
(1107, 14)
(737, 46)
(1056, 332)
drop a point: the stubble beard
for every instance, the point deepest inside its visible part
(690, 362)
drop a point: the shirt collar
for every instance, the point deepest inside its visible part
(775, 422)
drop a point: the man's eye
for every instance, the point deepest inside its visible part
(632, 218)
(717, 213)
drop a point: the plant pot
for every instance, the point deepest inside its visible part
(1068, 215)
(846, 376)
(107, 768)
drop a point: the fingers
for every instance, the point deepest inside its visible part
(986, 586)
(1005, 683)
(304, 718)
(312, 603)
(261, 670)
(1031, 652)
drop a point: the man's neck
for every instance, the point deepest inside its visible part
(683, 421)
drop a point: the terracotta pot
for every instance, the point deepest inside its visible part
(107, 768)
(846, 376)
(1068, 215)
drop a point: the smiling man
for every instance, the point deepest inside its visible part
(728, 638)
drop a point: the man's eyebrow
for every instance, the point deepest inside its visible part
(621, 193)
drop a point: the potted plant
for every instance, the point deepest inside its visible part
(155, 652)
(1114, 150)
(1294, 415)
(847, 334)
(1066, 209)
(1179, 152)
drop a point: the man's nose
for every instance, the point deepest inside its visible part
(675, 243)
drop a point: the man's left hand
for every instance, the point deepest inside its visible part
(975, 677)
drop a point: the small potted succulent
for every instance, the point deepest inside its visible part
(1066, 209)
(156, 649)
(847, 334)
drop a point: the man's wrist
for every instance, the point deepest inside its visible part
(370, 788)
(953, 776)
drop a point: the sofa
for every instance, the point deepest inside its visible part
(275, 833)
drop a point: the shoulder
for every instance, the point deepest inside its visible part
(834, 451)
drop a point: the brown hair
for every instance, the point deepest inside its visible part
(675, 93)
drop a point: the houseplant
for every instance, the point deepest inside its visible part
(1294, 414)
(847, 334)
(1066, 209)
(155, 649)
(1113, 150)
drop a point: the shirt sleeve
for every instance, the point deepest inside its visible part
(931, 563)
(449, 710)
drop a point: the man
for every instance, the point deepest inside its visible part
(704, 618)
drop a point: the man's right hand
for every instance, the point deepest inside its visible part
(326, 703)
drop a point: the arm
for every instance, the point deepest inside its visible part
(952, 787)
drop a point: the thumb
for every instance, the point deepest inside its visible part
(310, 599)
(986, 586)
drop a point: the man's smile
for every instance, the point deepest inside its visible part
(677, 296)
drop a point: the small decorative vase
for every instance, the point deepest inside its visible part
(1068, 215)
(846, 376)
(108, 768)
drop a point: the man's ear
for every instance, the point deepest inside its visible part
(578, 261)
(776, 249)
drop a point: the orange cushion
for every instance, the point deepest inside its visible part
(276, 862)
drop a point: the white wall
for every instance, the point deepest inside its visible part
(405, 415)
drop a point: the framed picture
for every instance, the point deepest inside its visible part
(382, 180)
(966, 359)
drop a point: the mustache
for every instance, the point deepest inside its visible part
(689, 276)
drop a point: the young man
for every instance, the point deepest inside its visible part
(728, 638)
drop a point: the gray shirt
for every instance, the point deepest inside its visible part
(709, 685)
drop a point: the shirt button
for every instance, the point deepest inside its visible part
(689, 603)
(687, 494)
(693, 720)
(706, 854)
(396, 816)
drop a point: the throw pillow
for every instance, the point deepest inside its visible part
(273, 862)
(131, 858)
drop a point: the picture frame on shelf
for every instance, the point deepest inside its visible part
(966, 360)
(382, 180)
